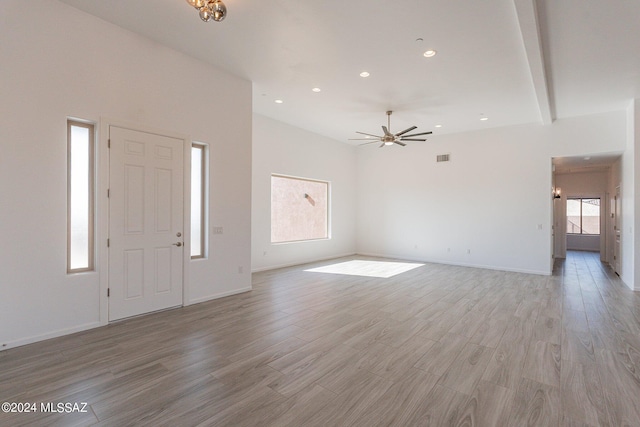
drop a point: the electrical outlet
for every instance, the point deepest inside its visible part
(217, 230)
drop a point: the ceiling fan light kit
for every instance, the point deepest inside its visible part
(210, 9)
(391, 138)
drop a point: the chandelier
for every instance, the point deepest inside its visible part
(210, 9)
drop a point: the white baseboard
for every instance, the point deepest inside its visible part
(49, 335)
(459, 264)
(219, 295)
(86, 326)
(300, 262)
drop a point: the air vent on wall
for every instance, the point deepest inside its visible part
(442, 158)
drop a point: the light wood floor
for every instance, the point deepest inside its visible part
(438, 345)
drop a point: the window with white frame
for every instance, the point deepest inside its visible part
(299, 209)
(583, 216)
(80, 196)
(198, 200)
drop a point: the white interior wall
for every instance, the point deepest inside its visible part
(614, 181)
(65, 63)
(634, 141)
(489, 207)
(584, 243)
(282, 149)
(627, 187)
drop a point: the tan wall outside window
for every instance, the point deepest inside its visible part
(299, 209)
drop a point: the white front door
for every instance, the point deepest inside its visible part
(145, 222)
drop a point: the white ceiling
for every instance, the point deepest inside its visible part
(514, 61)
(584, 164)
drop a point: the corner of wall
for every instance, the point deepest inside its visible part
(634, 142)
(629, 176)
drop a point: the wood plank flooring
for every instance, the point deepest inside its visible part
(438, 345)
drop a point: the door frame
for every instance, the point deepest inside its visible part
(602, 249)
(617, 228)
(102, 207)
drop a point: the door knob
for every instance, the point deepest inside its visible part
(178, 244)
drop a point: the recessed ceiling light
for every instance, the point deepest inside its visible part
(484, 119)
(364, 74)
(430, 53)
(316, 89)
(279, 101)
(587, 158)
(438, 126)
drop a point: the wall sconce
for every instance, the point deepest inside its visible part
(556, 193)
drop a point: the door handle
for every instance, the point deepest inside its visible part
(178, 244)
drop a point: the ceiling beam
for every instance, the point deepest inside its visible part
(527, 13)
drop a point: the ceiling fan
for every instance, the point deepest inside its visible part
(391, 138)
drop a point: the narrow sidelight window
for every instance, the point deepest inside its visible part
(198, 200)
(80, 196)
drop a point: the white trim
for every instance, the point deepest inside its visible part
(529, 22)
(460, 264)
(292, 264)
(102, 217)
(49, 335)
(219, 295)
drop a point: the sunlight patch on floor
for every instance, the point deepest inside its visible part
(382, 269)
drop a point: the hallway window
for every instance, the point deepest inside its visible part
(299, 209)
(583, 216)
(80, 176)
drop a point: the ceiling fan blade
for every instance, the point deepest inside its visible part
(400, 143)
(385, 130)
(417, 134)
(406, 130)
(363, 139)
(411, 139)
(370, 134)
(367, 143)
